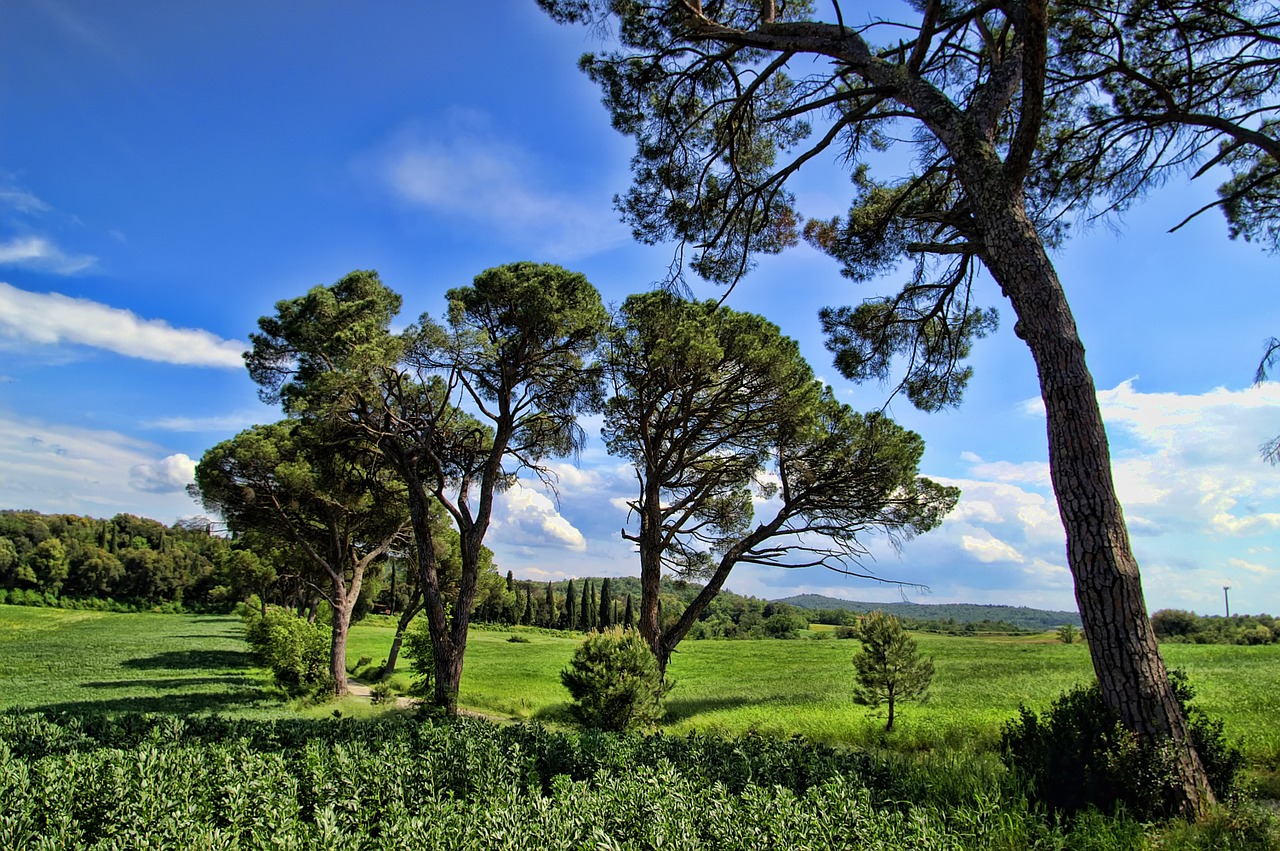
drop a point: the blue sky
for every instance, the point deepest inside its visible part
(168, 171)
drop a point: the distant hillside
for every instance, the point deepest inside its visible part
(1019, 616)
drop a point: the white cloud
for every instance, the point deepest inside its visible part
(22, 201)
(989, 549)
(37, 252)
(528, 518)
(226, 422)
(1251, 567)
(57, 468)
(52, 318)
(1027, 472)
(169, 474)
(492, 182)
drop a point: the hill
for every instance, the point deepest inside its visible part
(1020, 616)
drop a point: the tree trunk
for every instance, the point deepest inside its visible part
(342, 606)
(1108, 588)
(393, 655)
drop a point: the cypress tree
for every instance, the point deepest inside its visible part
(605, 619)
(550, 602)
(570, 607)
(584, 607)
(527, 618)
(629, 618)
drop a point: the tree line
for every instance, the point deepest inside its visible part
(128, 561)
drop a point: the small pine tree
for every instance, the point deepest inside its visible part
(614, 680)
(605, 620)
(889, 667)
(571, 607)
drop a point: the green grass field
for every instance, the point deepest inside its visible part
(70, 660)
(802, 687)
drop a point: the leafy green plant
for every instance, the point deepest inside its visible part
(615, 682)
(1067, 633)
(296, 650)
(417, 645)
(1080, 755)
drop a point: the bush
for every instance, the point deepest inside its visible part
(417, 645)
(296, 650)
(1080, 755)
(614, 681)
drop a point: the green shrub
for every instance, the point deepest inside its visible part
(417, 646)
(614, 681)
(1080, 755)
(518, 639)
(296, 650)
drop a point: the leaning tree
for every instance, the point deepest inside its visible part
(717, 410)
(728, 99)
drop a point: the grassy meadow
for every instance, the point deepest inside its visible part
(249, 769)
(96, 661)
(802, 687)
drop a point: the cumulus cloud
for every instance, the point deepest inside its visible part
(52, 318)
(37, 252)
(57, 468)
(169, 474)
(491, 182)
(989, 549)
(529, 518)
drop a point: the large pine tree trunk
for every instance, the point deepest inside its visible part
(1108, 588)
(343, 603)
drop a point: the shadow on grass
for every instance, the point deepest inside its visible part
(167, 704)
(174, 683)
(181, 660)
(678, 709)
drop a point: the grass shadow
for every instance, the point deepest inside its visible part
(174, 682)
(180, 660)
(194, 703)
(679, 709)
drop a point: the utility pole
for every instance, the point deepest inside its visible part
(1226, 599)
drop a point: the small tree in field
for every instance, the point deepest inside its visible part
(615, 682)
(1067, 633)
(889, 667)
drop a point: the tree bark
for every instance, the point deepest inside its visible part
(407, 616)
(343, 603)
(1108, 588)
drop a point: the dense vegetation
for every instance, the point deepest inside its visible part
(217, 783)
(50, 559)
(1176, 625)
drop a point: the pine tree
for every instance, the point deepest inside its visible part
(605, 620)
(889, 666)
(570, 607)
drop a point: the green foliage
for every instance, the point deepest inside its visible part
(1176, 625)
(417, 646)
(614, 681)
(889, 667)
(1080, 755)
(1067, 633)
(155, 781)
(296, 651)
